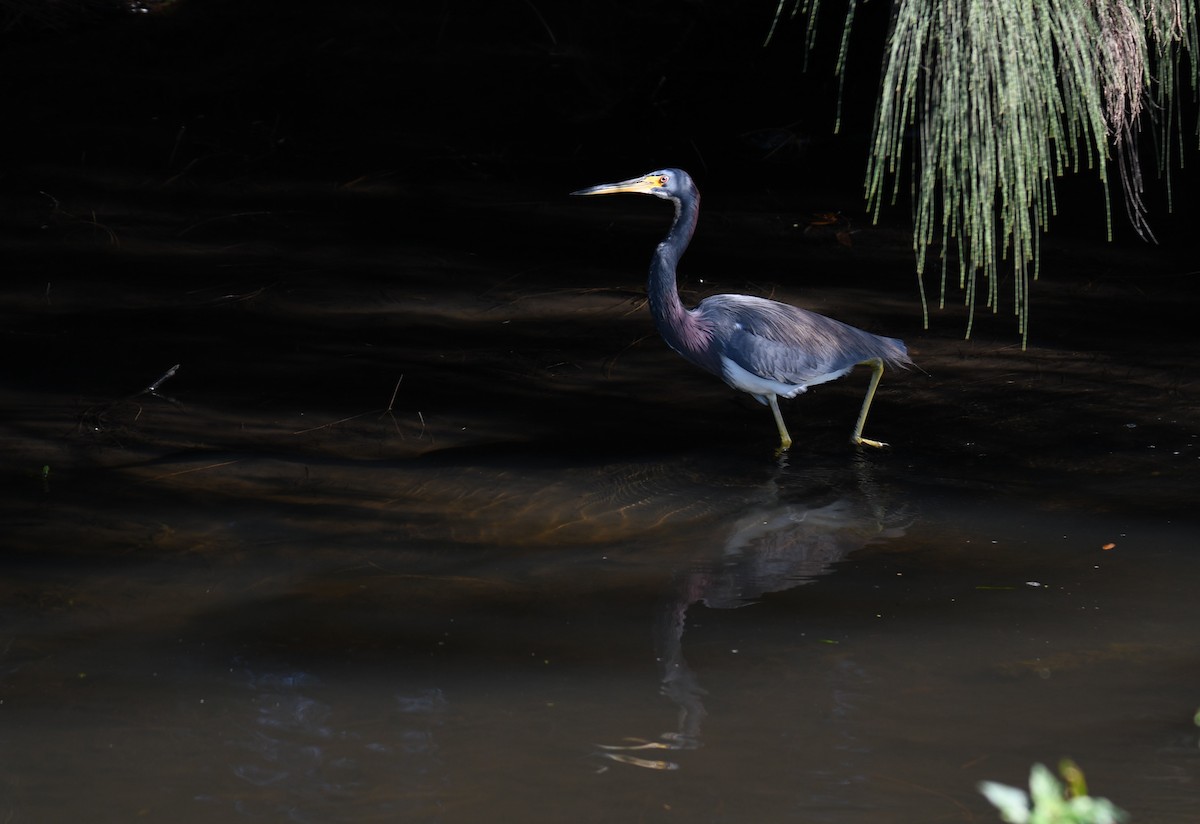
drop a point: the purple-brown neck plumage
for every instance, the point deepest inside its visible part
(679, 328)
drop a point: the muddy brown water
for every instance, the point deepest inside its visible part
(428, 525)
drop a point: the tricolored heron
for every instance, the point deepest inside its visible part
(763, 347)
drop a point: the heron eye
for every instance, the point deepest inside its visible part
(663, 180)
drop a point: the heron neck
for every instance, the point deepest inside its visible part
(663, 291)
(678, 326)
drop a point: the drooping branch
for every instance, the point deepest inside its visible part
(992, 100)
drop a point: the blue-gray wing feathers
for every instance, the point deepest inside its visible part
(784, 343)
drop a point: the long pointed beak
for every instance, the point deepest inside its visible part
(640, 185)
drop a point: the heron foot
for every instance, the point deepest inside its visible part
(858, 440)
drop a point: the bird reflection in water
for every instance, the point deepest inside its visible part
(770, 549)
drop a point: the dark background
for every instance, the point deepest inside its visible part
(425, 89)
(265, 133)
(555, 94)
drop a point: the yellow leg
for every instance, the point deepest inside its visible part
(785, 440)
(876, 373)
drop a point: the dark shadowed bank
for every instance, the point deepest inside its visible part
(424, 513)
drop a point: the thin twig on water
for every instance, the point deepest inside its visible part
(152, 389)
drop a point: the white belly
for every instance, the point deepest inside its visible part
(762, 388)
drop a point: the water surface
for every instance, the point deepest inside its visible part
(430, 527)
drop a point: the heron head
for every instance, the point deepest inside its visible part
(670, 184)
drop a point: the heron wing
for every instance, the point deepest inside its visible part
(789, 345)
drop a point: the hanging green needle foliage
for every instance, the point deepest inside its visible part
(999, 98)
